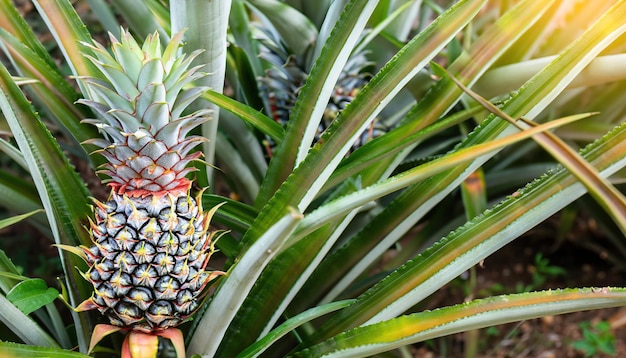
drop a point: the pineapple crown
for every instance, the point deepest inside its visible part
(140, 99)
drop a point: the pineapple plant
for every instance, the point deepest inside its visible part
(304, 242)
(288, 72)
(152, 242)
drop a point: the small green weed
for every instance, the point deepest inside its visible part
(596, 339)
(542, 271)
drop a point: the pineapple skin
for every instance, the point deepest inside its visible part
(152, 242)
(148, 264)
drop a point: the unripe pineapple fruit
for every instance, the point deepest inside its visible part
(287, 74)
(152, 242)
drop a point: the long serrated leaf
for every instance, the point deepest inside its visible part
(349, 202)
(313, 97)
(14, 23)
(51, 92)
(210, 37)
(264, 343)
(62, 192)
(69, 32)
(310, 175)
(30, 295)
(14, 350)
(393, 77)
(532, 97)
(54, 177)
(468, 68)
(15, 219)
(275, 289)
(478, 239)
(433, 42)
(248, 114)
(384, 148)
(385, 336)
(236, 285)
(598, 187)
(24, 327)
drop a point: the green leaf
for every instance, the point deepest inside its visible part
(420, 173)
(23, 326)
(63, 194)
(236, 285)
(13, 22)
(15, 219)
(264, 343)
(598, 187)
(210, 37)
(468, 68)
(530, 100)
(244, 76)
(300, 187)
(312, 101)
(309, 176)
(473, 242)
(269, 304)
(69, 32)
(14, 350)
(248, 114)
(381, 149)
(31, 295)
(51, 92)
(61, 190)
(9, 275)
(387, 335)
(239, 21)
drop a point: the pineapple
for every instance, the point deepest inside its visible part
(152, 242)
(287, 73)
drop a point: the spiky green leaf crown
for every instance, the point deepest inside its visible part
(140, 101)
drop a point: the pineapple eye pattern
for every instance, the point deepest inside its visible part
(147, 271)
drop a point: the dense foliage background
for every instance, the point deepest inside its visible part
(373, 203)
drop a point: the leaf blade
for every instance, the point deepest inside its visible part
(387, 335)
(31, 295)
